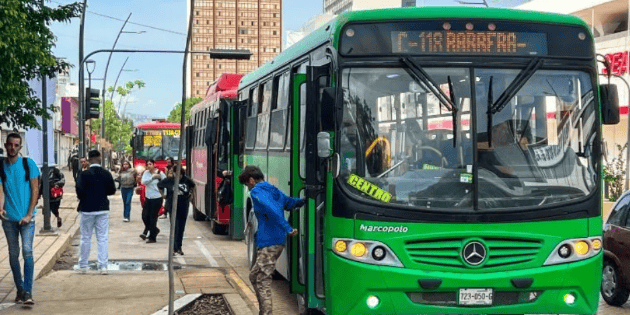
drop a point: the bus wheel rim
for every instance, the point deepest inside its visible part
(609, 281)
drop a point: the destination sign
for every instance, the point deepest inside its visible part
(469, 42)
(171, 132)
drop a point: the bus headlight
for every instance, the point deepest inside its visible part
(369, 252)
(574, 250)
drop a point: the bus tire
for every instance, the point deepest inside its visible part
(252, 247)
(302, 309)
(218, 229)
(197, 215)
(613, 292)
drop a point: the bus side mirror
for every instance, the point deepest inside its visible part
(328, 108)
(324, 149)
(610, 104)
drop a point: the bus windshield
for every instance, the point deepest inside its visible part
(400, 138)
(158, 144)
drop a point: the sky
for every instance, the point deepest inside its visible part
(164, 26)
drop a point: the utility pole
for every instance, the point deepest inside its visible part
(45, 183)
(81, 85)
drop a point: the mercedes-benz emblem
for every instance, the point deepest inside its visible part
(474, 253)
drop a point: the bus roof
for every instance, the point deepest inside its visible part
(328, 32)
(158, 125)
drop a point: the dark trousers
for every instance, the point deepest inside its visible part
(54, 206)
(149, 216)
(180, 223)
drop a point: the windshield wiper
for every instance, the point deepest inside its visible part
(422, 77)
(454, 112)
(517, 84)
(510, 92)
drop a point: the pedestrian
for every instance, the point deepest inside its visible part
(18, 197)
(153, 201)
(127, 178)
(169, 163)
(93, 186)
(184, 194)
(75, 166)
(273, 228)
(85, 165)
(56, 181)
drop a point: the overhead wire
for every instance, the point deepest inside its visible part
(138, 24)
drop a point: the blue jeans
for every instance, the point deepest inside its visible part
(127, 194)
(12, 231)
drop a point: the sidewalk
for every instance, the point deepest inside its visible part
(129, 288)
(47, 247)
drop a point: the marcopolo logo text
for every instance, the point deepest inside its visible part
(386, 229)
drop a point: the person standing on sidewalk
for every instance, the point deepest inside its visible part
(127, 178)
(153, 201)
(185, 192)
(93, 186)
(18, 197)
(273, 228)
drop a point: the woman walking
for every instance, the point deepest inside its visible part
(186, 191)
(127, 179)
(153, 201)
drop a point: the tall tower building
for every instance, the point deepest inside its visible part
(232, 24)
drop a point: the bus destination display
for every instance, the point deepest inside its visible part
(469, 42)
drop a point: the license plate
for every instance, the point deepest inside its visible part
(475, 296)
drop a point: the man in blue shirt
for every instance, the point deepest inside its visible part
(18, 197)
(273, 228)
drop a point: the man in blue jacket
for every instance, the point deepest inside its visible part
(93, 186)
(273, 228)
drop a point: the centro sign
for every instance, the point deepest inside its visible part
(618, 63)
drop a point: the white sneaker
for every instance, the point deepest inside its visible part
(81, 270)
(125, 220)
(103, 271)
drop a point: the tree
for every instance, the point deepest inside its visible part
(176, 113)
(117, 129)
(26, 53)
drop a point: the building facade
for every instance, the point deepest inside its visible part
(255, 25)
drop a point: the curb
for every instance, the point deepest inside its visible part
(66, 239)
(179, 303)
(234, 302)
(243, 289)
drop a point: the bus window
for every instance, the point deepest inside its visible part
(279, 113)
(252, 119)
(263, 117)
(287, 100)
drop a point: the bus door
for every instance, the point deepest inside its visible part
(211, 168)
(238, 116)
(189, 145)
(308, 250)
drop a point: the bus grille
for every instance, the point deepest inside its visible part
(447, 252)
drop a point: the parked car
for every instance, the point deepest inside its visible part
(616, 273)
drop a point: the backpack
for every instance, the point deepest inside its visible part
(226, 195)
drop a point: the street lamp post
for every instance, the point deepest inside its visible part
(102, 114)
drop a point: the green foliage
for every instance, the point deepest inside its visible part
(115, 128)
(26, 53)
(176, 113)
(614, 174)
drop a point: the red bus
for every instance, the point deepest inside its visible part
(209, 128)
(157, 140)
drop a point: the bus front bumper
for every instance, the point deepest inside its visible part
(352, 286)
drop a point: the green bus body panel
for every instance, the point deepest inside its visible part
(331, 30)
(352, 282)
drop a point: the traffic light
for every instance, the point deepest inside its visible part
(92, 103)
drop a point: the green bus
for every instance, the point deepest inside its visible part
(450, 157)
